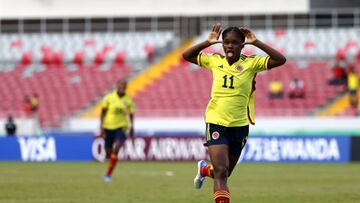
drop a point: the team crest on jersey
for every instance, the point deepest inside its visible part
(239, 68)
(215, 135)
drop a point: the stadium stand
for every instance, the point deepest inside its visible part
(319, 43)
(83, 66)
(193, 91)
(69, 71)
(312, 52)
(82, 48)
(61, 92)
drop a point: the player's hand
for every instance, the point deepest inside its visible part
(249, 35)
(215, 34)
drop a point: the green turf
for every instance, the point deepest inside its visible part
(149, 182)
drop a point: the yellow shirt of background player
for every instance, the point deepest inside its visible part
(117, 109)
(232, 97)
(353, 81)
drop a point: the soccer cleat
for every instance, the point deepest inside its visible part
(107, 178)
(199, 179)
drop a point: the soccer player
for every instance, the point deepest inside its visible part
(231, 107)
(116, 121)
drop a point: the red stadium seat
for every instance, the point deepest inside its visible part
(99, 58)
(26, 58)
(279, 33)
(79, 58)
(120, 57)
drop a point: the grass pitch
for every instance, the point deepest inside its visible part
(166, 182)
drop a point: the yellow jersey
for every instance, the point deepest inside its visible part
(232, 92)
(117, 112)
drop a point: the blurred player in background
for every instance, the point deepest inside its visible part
(116, 122)
(353, 86)
(231, 108)
(10, 126)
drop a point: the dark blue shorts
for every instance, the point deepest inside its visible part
(114, 135)
(234, 137)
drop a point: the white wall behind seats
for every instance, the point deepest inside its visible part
(126, 8)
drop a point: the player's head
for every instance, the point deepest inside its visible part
(121, 86)
(10, 118)
(233, 40)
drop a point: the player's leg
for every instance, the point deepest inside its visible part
(238, 137)
(233, 160)
(114, 157)
(215, 135)
(117, 146)
(204, 169)
(218, 148)
(219, 155)
(207, 170)
(109, 140)
(108, 153)
(119, 137)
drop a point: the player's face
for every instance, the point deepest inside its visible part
(121, 87)
(232, 45)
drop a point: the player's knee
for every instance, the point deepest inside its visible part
(221, 172)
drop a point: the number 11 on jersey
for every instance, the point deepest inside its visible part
(231, 82)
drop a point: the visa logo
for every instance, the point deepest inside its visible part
(37, 149)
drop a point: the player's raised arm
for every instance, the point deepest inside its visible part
(276, 58)
(192, 53)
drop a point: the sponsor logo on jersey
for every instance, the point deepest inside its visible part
(239, 68)
(215, 135)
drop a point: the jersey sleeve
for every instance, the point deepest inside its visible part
(105, 102)
(260, 63)
(204, 60)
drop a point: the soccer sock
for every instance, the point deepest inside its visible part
(221, 196)
(207, 171)
(112, 164)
